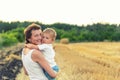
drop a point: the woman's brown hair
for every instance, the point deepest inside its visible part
(29, 29)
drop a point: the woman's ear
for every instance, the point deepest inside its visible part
(29, 40)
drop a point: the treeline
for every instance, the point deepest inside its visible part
(12, 32)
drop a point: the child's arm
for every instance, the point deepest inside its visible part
(31, 46)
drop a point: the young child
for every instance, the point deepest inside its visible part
(48, 37)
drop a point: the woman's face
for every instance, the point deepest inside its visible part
(36, 37)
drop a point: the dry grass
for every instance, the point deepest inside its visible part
(12, 56)
(87, 61)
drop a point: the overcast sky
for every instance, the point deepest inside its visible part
(64, 11)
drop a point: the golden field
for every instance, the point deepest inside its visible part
(86, 61)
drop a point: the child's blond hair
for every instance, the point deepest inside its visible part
(51, 31)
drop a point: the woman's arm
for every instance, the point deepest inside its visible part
(25, 70)
(38, 57)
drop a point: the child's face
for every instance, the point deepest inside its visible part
(46, 38)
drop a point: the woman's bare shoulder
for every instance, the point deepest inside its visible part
(36, 55)
(36, 52)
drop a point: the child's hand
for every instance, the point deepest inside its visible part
(29, 46)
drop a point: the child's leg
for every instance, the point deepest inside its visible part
(56, 69)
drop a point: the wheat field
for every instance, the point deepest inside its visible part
(86, 61)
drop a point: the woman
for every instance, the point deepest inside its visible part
(33, 60)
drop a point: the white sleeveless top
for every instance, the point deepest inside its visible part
(34, 70)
